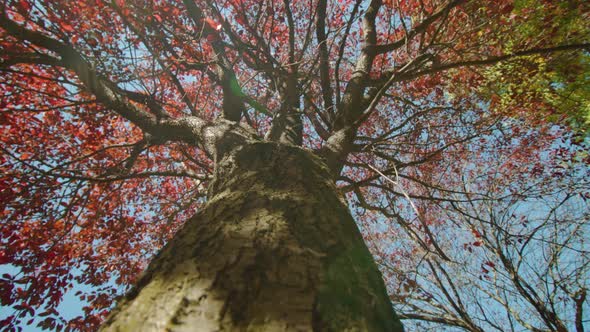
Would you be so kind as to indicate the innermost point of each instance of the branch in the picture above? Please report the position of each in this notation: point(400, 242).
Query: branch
point(29, 58)
point(342, 48)
point(391, 77)
point(103, 89)
point(287, 125)
point(139, 175)
point(456, 302)
point(184, 96)
point(579, 300)
point(380, 49)
point(311, 111)
point(324, 65)
point(353, 94)
point(291, 25)
point(190, 129)
point(233, 105)
point(435, 319)
point(496, 59)
point(340, 142)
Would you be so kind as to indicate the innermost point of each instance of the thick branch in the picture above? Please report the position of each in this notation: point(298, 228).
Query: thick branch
point(579, 300)
point(353, 94)
point(325, 81)
point(28, 58)
point(287, 126)
point(340, 142)
point(214, 138)
point(104, 90)
point(342, 47)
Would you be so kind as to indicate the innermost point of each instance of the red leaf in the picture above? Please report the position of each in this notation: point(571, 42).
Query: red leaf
point(3, 257)
point(25, 5)
point(26, 155)
point(214, 25)
point(67, 27)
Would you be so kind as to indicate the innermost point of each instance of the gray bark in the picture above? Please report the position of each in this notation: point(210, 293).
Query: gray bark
point(274, 249)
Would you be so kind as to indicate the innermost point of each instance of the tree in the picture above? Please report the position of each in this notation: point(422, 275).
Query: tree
point(229, 132)
point(519, 259)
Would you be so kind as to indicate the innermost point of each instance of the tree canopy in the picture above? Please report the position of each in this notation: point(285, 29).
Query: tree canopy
point(456, 129)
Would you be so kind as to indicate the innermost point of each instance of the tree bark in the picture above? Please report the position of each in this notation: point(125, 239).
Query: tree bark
point(274, 249)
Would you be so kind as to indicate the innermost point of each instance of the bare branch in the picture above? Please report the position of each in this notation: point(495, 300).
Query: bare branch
point(380, 49)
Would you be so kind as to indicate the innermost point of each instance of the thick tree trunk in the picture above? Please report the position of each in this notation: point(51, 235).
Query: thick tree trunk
point(274, 249)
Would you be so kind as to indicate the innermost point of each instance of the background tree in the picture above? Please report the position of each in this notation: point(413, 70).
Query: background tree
point(121, 120)
point(515, 233)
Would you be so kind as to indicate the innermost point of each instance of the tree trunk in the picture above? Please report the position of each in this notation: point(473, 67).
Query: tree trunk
point(274, 249)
